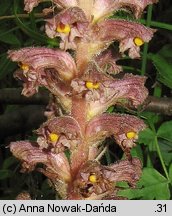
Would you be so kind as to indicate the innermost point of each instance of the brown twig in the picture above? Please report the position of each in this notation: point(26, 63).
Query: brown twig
point(160, 105)
point(38, 15)
point(13, 96)
point(22, 119)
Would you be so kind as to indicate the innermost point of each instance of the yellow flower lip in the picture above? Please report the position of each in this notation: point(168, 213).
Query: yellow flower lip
point(24, 67)
point(138, 41)
point(131, 135)
point(53, 137)
point(62, 28)
point(93, 178)
point(91, 85)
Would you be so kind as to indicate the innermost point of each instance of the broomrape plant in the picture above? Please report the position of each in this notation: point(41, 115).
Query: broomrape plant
point(84, 84)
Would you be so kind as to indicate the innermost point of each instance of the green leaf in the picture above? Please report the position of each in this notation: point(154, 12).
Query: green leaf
point(10, 38)
point(147, 137)
point(170, 173)
point(165, 131)
point(4, 5)
point(5, 174)
point(166, 150)
point(152, 185)
point(46, 191)
point(110, 109)
point(9, 162)
point(166, 52)
point(163, 63)
point(137, 152)
point(32, 20)
point(6, 66)
point(35, 35)
point(150, 117)
point(122, 184)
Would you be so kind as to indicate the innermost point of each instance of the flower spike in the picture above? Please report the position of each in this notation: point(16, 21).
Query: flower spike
point(84, 79)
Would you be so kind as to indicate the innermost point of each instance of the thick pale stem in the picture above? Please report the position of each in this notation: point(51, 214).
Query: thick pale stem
point(80, 153)
point(79, 111)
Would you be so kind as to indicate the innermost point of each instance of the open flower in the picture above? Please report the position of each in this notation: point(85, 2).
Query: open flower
point(30, 154)
point(102, 91)
point(56, 166)
point(95, 181)
point(59, 134)
point(47, 67)
point(34, 60)
point(124, 128)
point(69, 25)
point(130, 35)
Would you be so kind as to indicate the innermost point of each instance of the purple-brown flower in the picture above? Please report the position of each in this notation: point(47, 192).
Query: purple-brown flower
point(83, 28)
point(56, 166)
point(124, 128)
point(95, 181)
point(102, 91)
point(34, 60)
point(59, 134)
point(69, 25)
point(47, 67)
